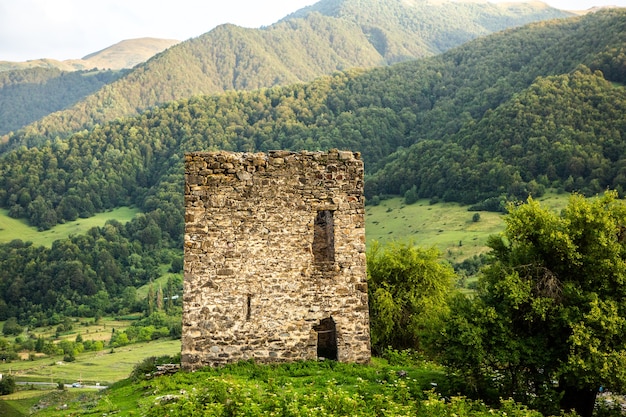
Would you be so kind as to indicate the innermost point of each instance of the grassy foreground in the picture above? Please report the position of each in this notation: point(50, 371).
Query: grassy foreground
point(297, 389)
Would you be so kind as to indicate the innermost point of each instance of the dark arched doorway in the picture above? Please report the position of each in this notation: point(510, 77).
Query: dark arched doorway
point(326, 339)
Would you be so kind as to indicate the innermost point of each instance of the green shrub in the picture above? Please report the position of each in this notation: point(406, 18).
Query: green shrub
point(11, 327)
point(7, 385)
point(149, 365)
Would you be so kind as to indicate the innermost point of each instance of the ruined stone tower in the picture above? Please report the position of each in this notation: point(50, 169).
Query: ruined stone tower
point(274, 258)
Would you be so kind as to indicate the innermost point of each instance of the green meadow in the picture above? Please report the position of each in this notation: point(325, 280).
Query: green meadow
point(90, 368)
point(103, 367)
point(450, 227)
point(11, 229)
point(20, 403)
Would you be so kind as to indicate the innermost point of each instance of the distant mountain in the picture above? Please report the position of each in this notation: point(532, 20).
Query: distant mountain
point(401, 30)
point(124, 54)
point(328, 36)
point(127, 54)
point(34, 89)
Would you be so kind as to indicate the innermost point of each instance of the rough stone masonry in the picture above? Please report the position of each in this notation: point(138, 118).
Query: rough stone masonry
point(274, 258)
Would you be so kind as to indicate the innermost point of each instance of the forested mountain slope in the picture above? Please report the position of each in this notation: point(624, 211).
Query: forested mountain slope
point(401, 30)
point(497, 117)
point(32, 90)
point(28, 95)
point(331, 35)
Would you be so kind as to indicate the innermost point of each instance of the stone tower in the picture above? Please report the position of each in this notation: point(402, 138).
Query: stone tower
point(274, 258)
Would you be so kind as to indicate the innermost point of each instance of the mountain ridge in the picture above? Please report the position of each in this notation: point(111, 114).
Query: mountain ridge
point(295, 49)
point(122, 55)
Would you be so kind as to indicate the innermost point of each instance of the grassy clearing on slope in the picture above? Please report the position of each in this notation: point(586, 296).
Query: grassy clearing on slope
point(87, 328)
point(7, 409)
point(20, 403)
point(447, 226)
point(161, 281)
point(11, 229)
point(104, 367)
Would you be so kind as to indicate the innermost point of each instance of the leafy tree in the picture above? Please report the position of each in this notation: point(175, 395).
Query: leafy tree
point(7, 385)
point(119, 339)
point(39, 345)
point(548, 323)
point(177, 265)
point(411, 196)
point(408, 289)
point(159, 299)
point(11, 327)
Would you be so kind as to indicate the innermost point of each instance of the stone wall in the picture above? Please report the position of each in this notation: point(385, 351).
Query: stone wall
point(274, 258)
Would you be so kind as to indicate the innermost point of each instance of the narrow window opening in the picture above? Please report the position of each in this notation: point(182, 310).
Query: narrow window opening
point(248, 307)
point(324, 237)
point(326, 339)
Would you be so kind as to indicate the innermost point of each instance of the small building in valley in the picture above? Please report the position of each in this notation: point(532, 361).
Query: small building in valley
point(274, 258)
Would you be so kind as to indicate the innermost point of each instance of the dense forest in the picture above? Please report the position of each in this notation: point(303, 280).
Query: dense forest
point(438, 26)
point(30, 94)
point(462, 126)
point(328, 36)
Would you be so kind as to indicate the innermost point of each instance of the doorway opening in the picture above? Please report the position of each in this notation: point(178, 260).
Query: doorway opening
point(326, 339)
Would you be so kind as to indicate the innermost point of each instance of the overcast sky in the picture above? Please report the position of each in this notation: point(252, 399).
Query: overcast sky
point(66, 29)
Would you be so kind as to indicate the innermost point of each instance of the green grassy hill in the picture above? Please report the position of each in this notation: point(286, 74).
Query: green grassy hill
point(11, 228)
point(447, 226)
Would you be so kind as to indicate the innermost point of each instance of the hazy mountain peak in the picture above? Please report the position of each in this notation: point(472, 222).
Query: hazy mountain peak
point(128, 53)
point(124, 54)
